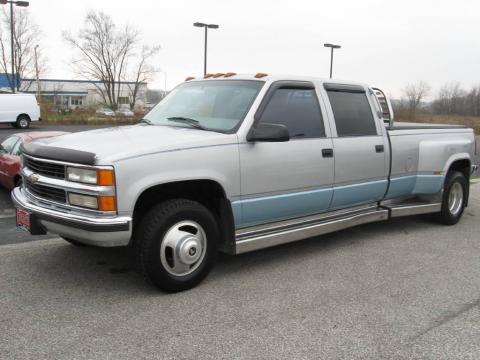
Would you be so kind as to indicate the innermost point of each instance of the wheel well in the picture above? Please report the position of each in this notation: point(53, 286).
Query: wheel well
point(462, 166)
point(28, 116)
point(207, 192)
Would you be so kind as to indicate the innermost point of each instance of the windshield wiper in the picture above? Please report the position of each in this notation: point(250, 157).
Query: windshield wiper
point(145, 121)
point(192, 122)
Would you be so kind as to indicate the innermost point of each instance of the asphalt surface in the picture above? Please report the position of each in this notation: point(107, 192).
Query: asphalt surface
point(404, 289)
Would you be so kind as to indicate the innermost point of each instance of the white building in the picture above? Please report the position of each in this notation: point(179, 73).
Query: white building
point(81, 93)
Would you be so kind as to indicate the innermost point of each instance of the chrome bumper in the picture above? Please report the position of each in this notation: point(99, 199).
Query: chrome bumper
point(98, 231)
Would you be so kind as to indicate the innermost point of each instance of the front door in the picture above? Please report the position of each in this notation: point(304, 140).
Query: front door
point(282, 180)
point(360, 149)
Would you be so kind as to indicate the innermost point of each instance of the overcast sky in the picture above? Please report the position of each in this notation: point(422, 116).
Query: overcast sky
point(384, 43)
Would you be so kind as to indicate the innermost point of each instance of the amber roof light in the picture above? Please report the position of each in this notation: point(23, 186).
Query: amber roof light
point(208, 76)
point(260, 75)
point(230, 74)
point(189, 78)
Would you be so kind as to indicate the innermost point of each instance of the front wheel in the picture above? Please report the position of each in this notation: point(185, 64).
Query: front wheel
point(454, 198)
point(176, 244)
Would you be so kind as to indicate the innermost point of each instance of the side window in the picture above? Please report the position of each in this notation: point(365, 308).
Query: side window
point(7, 145)
point(352, 112)
point(298, 110)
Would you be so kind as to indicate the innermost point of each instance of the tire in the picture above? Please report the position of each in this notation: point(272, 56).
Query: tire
point(177, 244)
point(454, 198)
point(74, 242)
point(23, 122)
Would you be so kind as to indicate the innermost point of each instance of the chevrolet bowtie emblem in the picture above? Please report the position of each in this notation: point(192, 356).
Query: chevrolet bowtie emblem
point(33, 178)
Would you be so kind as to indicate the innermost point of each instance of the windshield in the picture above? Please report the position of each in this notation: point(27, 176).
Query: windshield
point(207, 105)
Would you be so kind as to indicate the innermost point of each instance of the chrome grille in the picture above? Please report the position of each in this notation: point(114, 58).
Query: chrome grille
point(46, 192)
point(56, 171)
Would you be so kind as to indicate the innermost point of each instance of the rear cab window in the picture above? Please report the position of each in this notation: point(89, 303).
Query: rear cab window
point(351, 110)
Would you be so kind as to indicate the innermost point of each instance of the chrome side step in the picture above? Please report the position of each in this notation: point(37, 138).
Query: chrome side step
point(275, 235)
point(403, 209)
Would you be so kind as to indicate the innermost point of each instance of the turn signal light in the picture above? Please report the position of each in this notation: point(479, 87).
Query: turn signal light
point(107, 203)
point(105, 177)
point(260, 75)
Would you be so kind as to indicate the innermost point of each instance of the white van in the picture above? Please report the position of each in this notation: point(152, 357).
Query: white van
point(19, 109)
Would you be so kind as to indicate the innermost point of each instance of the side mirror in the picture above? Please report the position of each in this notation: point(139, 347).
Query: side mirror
point(268, 133)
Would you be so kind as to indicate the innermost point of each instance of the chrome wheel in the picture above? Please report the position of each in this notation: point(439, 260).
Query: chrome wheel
point(183, 248)
point(455, 198)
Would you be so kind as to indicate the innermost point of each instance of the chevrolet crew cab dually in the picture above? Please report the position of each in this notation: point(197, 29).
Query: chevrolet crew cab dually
point(238, 163)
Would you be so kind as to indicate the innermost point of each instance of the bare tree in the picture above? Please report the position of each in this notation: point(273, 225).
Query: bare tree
point(104, 52)
point(414, 94)
point(26, 36)
point(143, 72)
point(452, 99)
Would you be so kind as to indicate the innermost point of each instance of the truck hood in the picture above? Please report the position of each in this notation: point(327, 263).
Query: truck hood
point(117, 143)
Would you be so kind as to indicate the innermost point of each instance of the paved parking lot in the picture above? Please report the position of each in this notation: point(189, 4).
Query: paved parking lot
point(403, 289)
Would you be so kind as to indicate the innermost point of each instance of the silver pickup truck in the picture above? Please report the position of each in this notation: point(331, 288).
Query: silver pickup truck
point(238, 163)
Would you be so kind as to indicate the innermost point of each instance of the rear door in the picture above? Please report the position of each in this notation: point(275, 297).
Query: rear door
point(282, 180)
point(360, 147)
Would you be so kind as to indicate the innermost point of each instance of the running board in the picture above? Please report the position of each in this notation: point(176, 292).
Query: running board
point(276, 235)
point(403, 209)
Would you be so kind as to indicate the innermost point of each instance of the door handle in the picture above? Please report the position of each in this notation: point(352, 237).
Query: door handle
point(379, 148)
point(327, 153)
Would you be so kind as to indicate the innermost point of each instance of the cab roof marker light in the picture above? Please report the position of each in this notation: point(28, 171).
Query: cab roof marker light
point(260, 75)
point(207, 76)
point(229, 74)
point(189, 78)
point(217, 75)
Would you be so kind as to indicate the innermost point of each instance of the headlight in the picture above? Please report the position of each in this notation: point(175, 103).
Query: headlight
point(102, 177)
point(82, 175)
point(102, 203)
point(86, 201)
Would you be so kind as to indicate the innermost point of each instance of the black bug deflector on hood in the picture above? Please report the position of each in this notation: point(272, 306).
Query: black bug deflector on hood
point(59, 154)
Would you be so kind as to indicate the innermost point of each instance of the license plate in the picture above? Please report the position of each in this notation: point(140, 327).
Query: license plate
point(23, 219)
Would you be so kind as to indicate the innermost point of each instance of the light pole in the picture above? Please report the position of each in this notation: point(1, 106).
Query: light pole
point(331, 46)
point(17, 3)
point(206, 27)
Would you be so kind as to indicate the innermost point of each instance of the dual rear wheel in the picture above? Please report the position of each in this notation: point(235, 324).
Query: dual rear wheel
point(455, 194)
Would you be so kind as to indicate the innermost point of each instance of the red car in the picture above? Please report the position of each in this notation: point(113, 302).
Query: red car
point(10, 155)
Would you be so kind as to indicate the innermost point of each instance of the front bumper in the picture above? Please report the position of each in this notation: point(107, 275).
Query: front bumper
point(98, 231)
